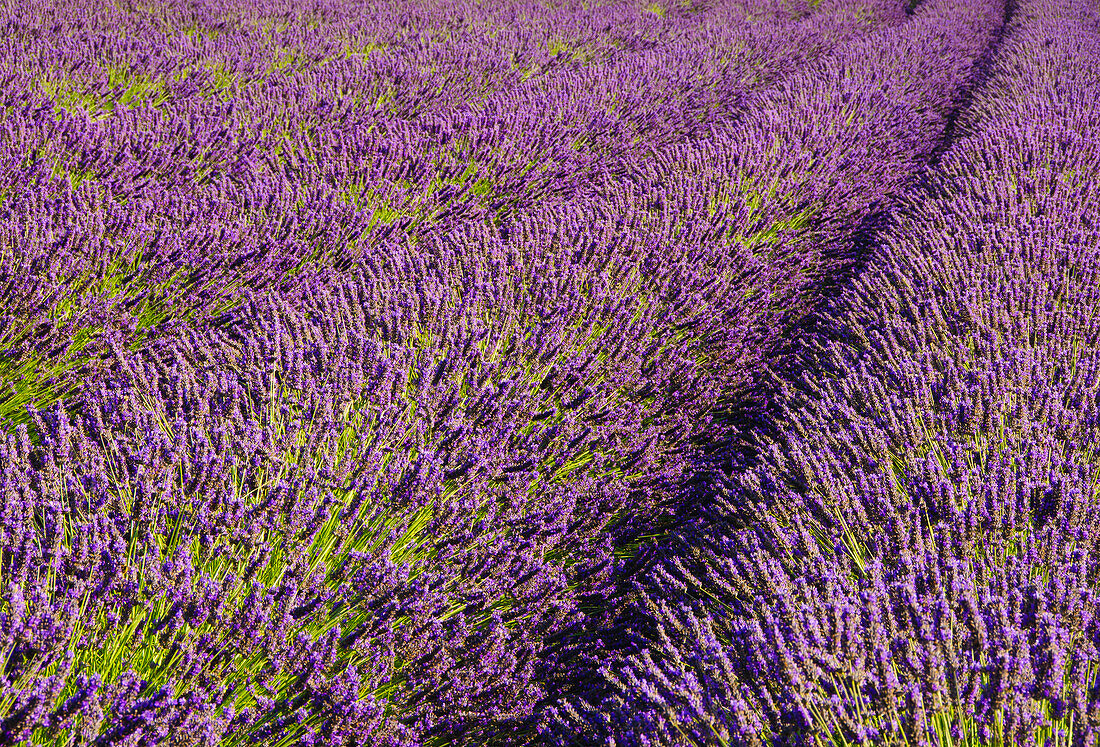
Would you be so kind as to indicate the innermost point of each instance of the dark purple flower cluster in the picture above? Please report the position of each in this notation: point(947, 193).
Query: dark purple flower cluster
point(349, 351)
point(919, 565)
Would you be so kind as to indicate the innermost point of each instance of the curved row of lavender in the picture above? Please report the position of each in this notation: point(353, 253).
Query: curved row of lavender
point(203, 157)
point(913, 561)
point(830, 182)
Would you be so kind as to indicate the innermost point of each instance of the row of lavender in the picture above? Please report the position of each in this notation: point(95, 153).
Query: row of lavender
point(353, 498)
point(923, 566)
point(155, 172)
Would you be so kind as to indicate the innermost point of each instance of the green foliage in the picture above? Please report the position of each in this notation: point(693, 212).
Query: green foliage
point(944, 721)
point(125, 87)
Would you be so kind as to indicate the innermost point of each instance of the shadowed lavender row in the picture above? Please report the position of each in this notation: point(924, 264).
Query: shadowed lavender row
point(919, 561)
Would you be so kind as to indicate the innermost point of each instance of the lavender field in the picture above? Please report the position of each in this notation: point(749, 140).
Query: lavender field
point(550, 372)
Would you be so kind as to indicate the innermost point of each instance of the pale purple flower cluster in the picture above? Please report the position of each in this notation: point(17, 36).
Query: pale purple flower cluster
point(356, 358)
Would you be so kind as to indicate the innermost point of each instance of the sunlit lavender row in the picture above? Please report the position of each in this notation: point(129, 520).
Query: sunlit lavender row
point(695, 372)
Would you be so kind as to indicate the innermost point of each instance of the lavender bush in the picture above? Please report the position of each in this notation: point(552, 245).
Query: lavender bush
point(370, 372)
